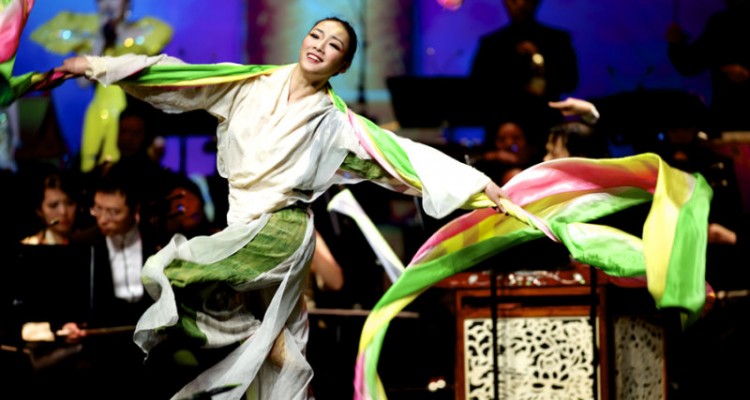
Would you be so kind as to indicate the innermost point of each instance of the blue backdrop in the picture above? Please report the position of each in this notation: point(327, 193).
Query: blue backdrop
point(620, 44)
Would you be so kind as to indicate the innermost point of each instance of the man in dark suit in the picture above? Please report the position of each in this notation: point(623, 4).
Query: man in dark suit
point(723, 49)
point(121, 246)
point(522, 66)
point(120, 249)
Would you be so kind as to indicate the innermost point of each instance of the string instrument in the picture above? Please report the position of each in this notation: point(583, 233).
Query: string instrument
point(42, 332)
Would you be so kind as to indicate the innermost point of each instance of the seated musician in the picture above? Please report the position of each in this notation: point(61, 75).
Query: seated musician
point(121, 246)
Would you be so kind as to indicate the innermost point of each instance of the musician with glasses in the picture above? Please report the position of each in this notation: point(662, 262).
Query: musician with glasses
point(121, 246)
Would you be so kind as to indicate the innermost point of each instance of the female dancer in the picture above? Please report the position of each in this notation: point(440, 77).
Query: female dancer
point(284, 138)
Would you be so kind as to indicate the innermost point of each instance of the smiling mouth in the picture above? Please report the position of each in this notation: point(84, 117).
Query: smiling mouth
point(314, 57)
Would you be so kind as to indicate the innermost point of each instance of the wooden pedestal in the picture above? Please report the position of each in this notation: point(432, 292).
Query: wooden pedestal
point(547, 347)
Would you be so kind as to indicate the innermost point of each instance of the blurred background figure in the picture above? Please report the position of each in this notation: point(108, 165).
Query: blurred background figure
point(326, 274)
point(510, 145)
point(523, 65)
point(507, 151)
point(49, 199)
point(55, 199)
point(572, 108)
point(136, 138)
point(141, 150)
point(9, 142)
point(181, 211)
point(164, 194)
point(108, 32)
point(9, 137)
point(121, 245)
point(574, 139)
point(326, 278)
point(723, 48)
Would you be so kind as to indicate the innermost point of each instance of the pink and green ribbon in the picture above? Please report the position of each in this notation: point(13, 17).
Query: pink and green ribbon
point(553, 199)
point(13, 16)
point(565, 194)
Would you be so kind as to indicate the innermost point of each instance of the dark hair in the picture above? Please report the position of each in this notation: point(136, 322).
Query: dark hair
point(36, 179)
point(50, 177)
point(119, 180)
point(140, 109)
point(135, 131)
point(580, 139)
point(135, 108)
point(491, 131)
point(351, 50)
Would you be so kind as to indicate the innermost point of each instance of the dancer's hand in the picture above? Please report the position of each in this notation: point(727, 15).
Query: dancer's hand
point(495, 193)
point(74, 66)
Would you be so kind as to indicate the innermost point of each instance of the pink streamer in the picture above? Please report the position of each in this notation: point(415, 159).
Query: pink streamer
point(566, 175)
point(12, 21)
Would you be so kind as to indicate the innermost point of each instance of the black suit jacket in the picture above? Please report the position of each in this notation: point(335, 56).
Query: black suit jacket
point(500, 75)
point(500, 68)
point(723, 41)
point(112, 364)
point(106, 309)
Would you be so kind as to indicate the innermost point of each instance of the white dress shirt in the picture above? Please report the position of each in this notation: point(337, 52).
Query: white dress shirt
point(126, 261)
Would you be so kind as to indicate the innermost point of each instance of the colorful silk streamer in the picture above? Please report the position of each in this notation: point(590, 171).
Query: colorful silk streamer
point(566, 194)
point(13, 16)
point(345, 203)
point(555, 199)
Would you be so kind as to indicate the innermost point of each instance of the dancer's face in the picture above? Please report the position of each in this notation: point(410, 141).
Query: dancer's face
point(324, 48)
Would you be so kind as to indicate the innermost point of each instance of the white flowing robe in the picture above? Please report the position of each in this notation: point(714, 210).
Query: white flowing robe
point(273, 154)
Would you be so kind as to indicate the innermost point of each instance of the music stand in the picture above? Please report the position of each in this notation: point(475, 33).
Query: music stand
point(435, 101)
point(47, 284)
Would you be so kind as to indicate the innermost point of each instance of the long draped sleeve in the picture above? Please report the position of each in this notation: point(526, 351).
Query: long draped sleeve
point(109, 70)
point(444, 183)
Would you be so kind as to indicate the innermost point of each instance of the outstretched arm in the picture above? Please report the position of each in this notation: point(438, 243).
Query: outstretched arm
point(114, 70)
point(577, 107)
